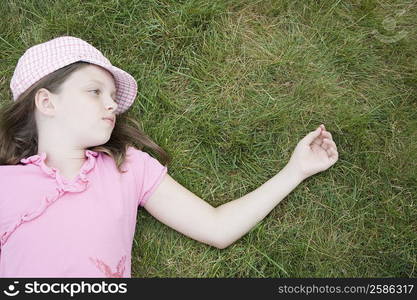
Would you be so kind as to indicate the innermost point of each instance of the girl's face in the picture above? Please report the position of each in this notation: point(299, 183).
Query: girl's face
point(87, 96)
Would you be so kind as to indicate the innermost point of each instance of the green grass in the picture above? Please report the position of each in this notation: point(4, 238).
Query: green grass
point(228, 88)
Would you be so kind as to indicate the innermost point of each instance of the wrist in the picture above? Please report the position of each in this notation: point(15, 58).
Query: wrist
point(294, 173)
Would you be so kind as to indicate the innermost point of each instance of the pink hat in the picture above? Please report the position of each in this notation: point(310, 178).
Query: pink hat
point(45, 58)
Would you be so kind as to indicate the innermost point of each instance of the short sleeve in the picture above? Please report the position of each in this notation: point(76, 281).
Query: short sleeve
point(148, 173)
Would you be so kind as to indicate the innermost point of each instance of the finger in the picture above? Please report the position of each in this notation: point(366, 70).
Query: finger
point(326, 148)
point(327, 134)
point(334, 156)
point(330, 149)
point(327, 144)
point(310, 137)
point(331, 143)
point(330, 152)
point(318, 141)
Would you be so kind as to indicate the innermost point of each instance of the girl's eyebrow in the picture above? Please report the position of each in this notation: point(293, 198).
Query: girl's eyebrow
point(99, 82)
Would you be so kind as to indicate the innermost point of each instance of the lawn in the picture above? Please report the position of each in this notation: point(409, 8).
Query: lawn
point(228, 88)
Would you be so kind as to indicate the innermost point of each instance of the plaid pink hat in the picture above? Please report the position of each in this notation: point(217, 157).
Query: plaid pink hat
point(45, 58)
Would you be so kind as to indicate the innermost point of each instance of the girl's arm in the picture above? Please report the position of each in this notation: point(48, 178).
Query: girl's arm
point(180, 209)
point(236, 218)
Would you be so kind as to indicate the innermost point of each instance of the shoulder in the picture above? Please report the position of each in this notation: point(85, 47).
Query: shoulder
point(131, 150)
point(143, 163)
point(132, 153)
point(13, 173)
point(12, 168)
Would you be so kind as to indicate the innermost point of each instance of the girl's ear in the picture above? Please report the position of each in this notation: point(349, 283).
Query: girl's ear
point(44, 101)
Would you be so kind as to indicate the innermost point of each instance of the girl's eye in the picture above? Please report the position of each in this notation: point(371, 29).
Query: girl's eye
point(115, 100)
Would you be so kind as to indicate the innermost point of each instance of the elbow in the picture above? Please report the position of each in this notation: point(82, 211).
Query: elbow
point(221, 242)
point(217, 232)
point(224, 244)
point(217, 242)
point(222, 236)
point(221, 246)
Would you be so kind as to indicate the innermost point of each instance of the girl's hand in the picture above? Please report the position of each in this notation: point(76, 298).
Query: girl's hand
point(314, 153)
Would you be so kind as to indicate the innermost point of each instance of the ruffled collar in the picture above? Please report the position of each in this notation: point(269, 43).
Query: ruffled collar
point(88, 165)
point(79, 184)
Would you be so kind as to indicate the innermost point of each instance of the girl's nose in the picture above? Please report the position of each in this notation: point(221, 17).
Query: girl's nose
point(111, 103)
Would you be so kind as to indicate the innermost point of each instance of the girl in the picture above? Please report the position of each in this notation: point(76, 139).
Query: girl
point(73, 173)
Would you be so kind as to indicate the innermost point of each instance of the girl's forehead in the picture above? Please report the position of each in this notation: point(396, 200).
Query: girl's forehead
point(95, 73)
point(94, 70)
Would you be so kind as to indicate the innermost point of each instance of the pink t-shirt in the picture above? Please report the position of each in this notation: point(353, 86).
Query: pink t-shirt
point(50, 227)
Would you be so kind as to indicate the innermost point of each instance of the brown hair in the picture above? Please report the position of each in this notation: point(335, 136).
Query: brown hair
point(19, 136)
